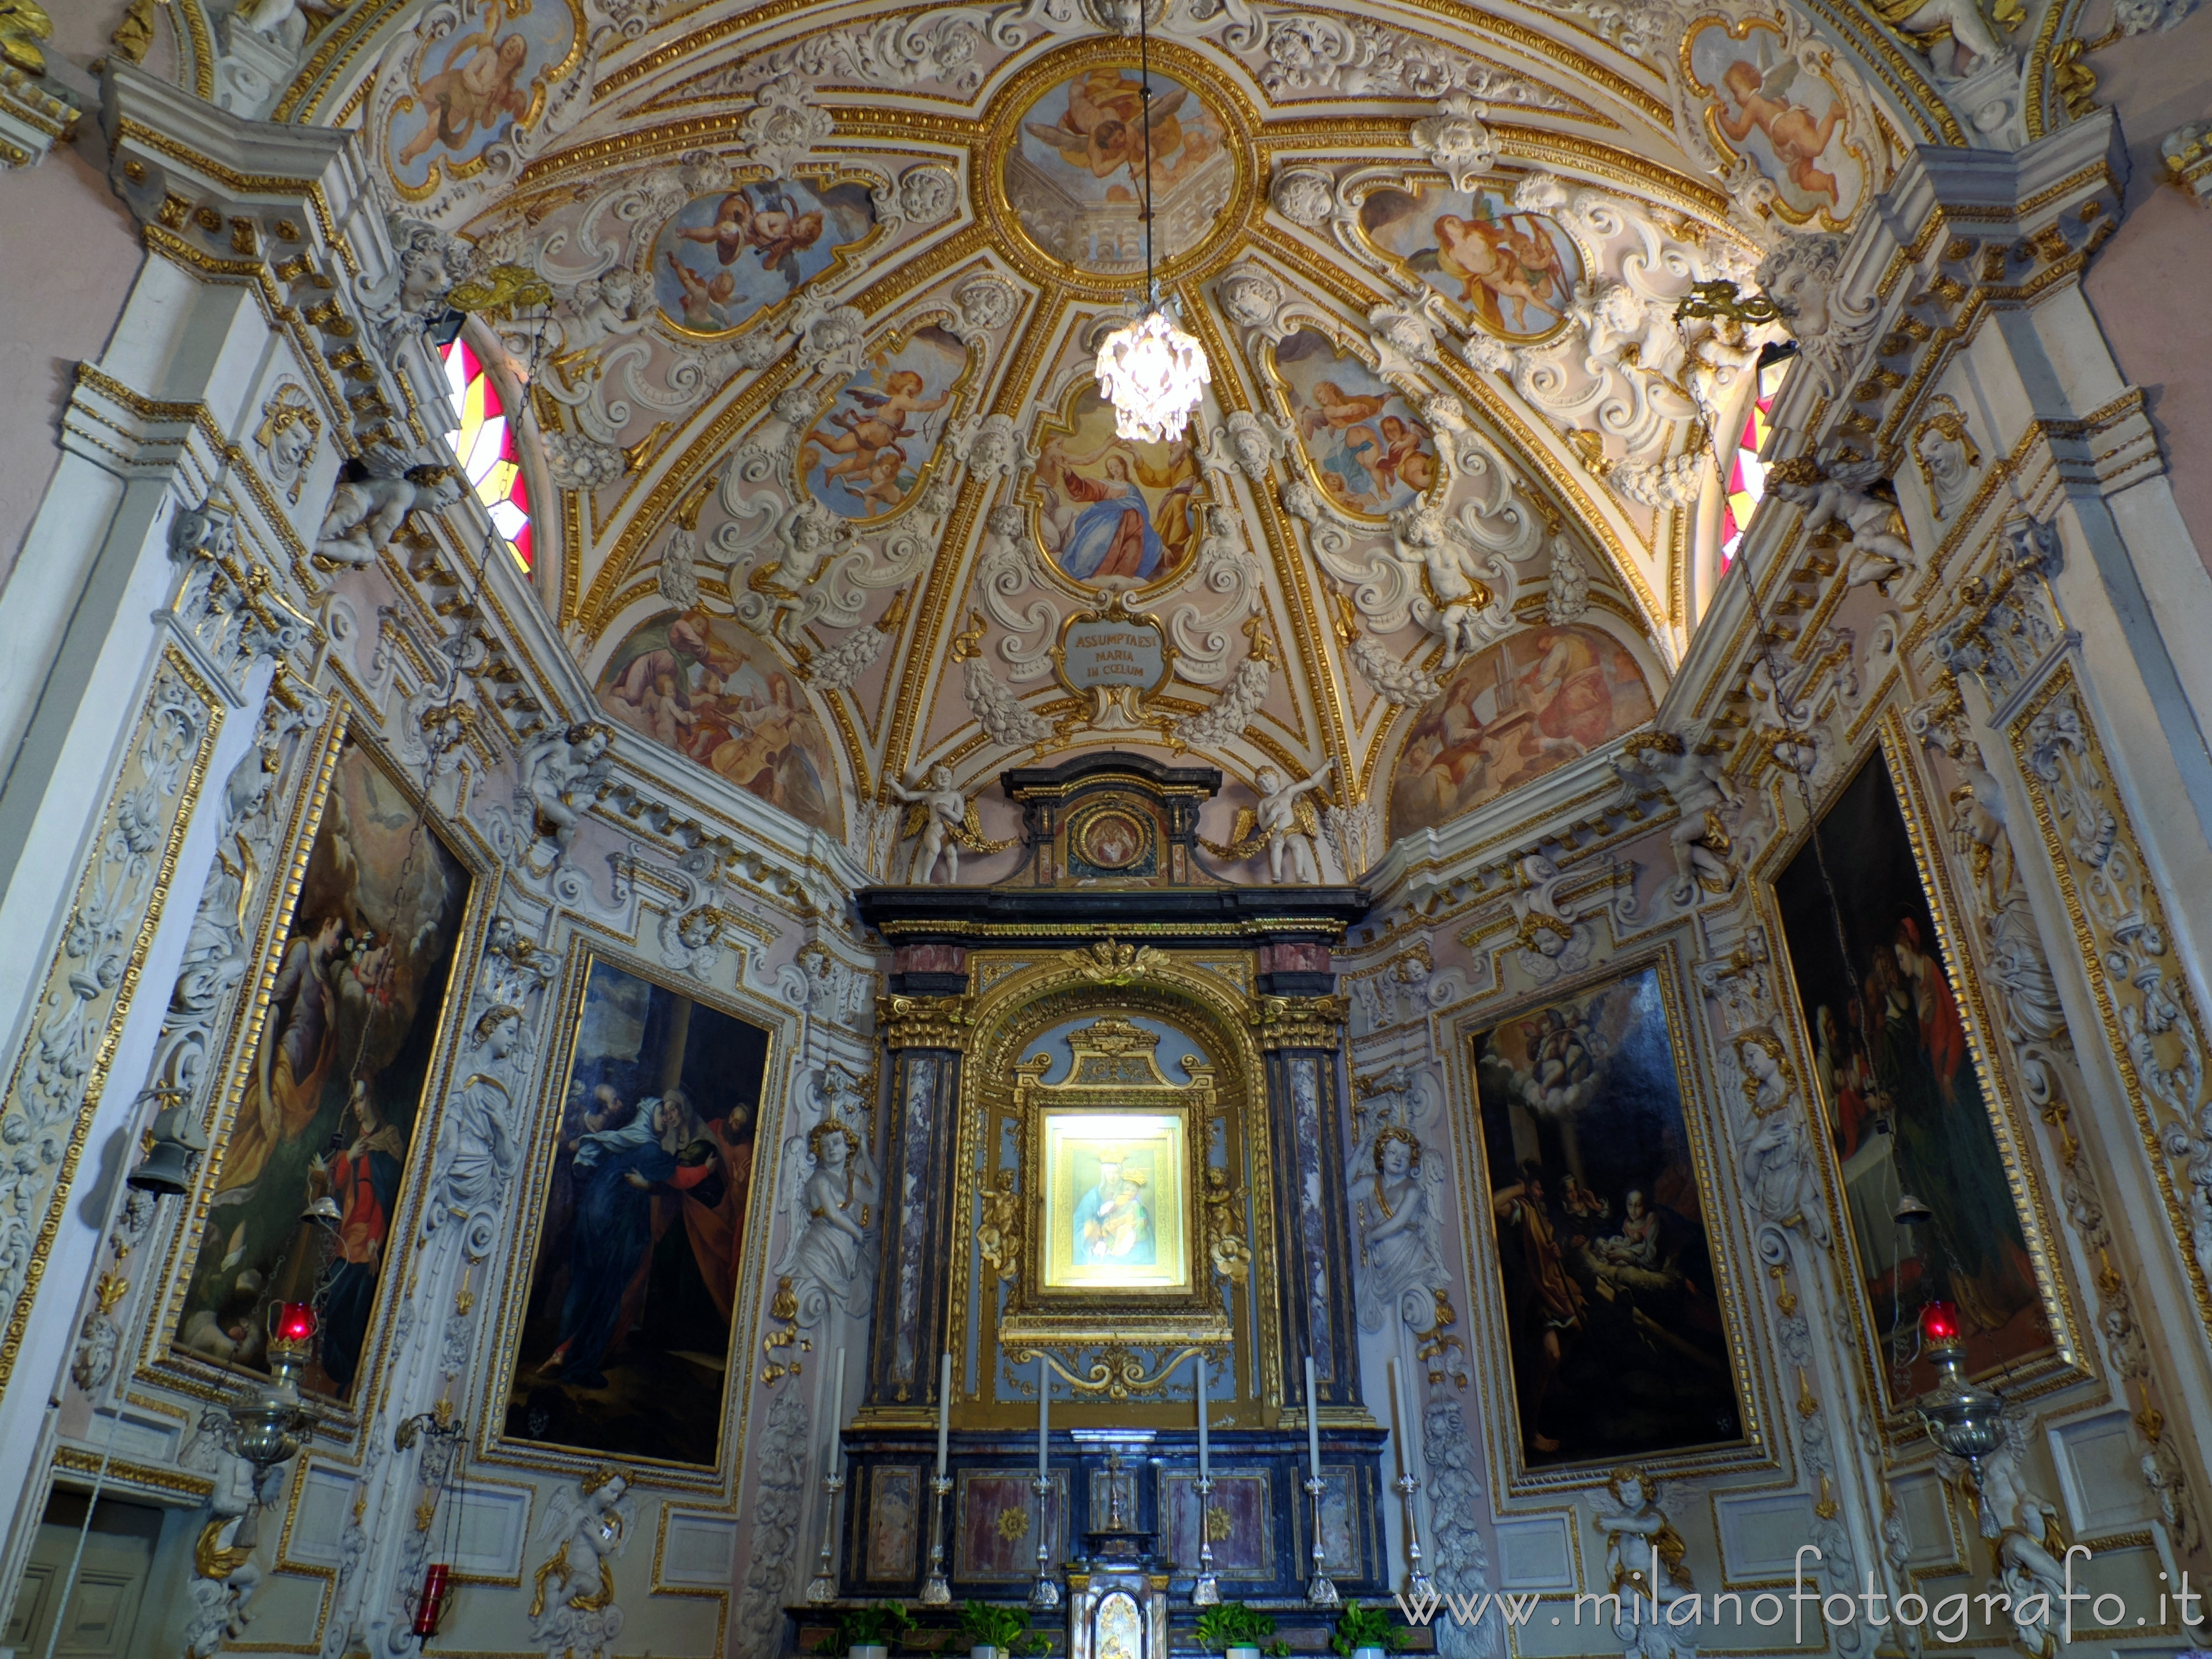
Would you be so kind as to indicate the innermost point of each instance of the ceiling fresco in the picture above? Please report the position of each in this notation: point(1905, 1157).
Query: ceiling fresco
point(827, 484)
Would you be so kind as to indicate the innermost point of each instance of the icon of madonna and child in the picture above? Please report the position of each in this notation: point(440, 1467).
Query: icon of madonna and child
point(1110, 512)
point(625, 1343)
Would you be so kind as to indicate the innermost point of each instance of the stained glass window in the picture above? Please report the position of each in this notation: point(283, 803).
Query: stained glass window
point(485, 443)
point(1746, 479)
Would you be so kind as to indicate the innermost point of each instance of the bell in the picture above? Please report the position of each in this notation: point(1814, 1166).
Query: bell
point(178, 1141)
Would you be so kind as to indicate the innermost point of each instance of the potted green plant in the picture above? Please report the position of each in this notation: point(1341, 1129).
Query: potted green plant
point(993, 1632)
point(1364, 1632)
point(867, 1632)
point(1235, 1630)
point(1278, 1649)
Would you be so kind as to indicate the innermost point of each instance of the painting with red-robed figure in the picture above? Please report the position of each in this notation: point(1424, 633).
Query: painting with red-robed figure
point(625, 1343)
point(1908, 1107)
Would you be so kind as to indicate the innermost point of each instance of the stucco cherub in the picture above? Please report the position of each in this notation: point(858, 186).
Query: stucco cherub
point(940, 814)
point(1872, 533)
point(561, 776)
point(1277, 822)
point(1699, 789)
point(366, 514)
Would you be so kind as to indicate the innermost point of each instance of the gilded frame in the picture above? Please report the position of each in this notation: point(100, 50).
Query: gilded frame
point(162, 1362)
point(586, 948)
point(1855, 145)
point(1065, 1138)
point(1492, 1344)
point(1087, 1342)
point(2064, 1363)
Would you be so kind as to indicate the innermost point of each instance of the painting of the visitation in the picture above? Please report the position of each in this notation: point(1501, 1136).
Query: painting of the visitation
point(1511, 713)
point(476, 84)
point(867, 455)
point(1619, 1346)
point(625, 1345)
point(1108, 508)
point(1075, 177)
point(1789, 120)
point(1906, 1101)
point(1114, 1201)
point(702, 685)
point(1514, 272)
point(334, 1088)
point(724, 257)
point(1368, 450)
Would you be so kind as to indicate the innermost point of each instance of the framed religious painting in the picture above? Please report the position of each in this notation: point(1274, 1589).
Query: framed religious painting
point(1116, 1200)
point(1623, 1338)
point(636, 1262)
point(335, 1084)
point(1911, 1107)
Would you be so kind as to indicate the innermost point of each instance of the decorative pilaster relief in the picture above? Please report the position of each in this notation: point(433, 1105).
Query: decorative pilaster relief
point(92, 979)
point(2150, 1011)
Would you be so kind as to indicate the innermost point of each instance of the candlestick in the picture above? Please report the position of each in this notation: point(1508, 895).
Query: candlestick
point(943, 1410)
point(1044, 1594)
point(823, 1589)
point(1206, 1590)
point(1321, 1588)
point(935, 1592)
point(1418, 1585)
point(1045, 1424)
point(1313, 1420)
point(1204, 1459)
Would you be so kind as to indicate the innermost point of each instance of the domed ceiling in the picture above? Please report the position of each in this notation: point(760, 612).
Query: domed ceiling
point(827, 496)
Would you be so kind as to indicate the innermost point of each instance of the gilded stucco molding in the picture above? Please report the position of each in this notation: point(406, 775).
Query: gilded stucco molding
point(927, 1023)
point(1298, 1022)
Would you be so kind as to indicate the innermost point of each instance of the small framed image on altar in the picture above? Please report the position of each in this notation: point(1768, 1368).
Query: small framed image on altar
point(1116, 1201)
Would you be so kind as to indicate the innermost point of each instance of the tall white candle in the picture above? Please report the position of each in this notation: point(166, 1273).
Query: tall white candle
point(944, 1411)
point(837, 1413)
point(1313, 1420)
point(1397, 1416)
point(1205, 1460)
point(1044, 1420)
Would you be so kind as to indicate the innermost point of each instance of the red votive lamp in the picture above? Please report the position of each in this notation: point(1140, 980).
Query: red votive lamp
point(432, 1606)
point(1939, 1322)
point(294, 1322)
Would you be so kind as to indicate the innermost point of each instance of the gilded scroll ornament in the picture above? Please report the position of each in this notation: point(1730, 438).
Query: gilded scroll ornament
point(999, 1231)
point(1224, 1228)
point(1115, 962)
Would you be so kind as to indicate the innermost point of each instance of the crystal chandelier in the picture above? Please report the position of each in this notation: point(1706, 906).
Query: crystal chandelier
point(1150, 370)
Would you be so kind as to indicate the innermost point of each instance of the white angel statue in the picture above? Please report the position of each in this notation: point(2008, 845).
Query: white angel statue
point(831, 1179)
point(572, 1609)
point(1857, 500)
point(1398, 1208)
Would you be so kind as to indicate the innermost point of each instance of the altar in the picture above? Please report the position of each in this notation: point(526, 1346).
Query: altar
point(1116, 1089)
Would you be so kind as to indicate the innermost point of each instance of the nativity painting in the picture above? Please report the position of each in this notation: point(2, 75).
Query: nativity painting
point(703, 686)
point(1106, 509)
point(1074, 178)
point(475, 86)
point(1511, 713)
point(1908, 1110)
point(1619, 1345)
point(1789, 120)
point(333, 1090)
point(624, 1347)
point(725, 257)
point(867, 453)
point(1368, 450)
point(1513, 272)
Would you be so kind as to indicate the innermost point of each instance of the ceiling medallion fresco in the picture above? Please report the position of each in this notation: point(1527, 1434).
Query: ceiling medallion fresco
point(1793, 122)
point(1363, 442)
point(1513, 274)
point(1109, 512)
point(726, 257)
point(483, 83)
point(1063, 173)
point(876, 441)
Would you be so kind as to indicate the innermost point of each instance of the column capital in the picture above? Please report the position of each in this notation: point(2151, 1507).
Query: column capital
point(927, 1022)
point(1299, 1022)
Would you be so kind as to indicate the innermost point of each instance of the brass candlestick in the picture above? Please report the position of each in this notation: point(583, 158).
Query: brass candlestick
point(824, 1587)
point(1044, 1594)
point(1320, 1589)
point(1206, 1590)
point(935, 1592)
